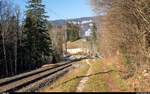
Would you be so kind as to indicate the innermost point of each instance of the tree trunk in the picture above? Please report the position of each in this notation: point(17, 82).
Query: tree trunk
point(15, 52)
point(4, 50)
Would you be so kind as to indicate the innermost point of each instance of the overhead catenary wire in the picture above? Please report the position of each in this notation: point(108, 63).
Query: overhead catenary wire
point(58, 15)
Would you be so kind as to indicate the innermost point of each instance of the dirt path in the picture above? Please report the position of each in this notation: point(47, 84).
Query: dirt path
point(111, 85)
point(80, 87)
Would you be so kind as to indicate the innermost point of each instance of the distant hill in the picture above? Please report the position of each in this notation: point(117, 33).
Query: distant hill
point(84, 22)
point(75, 20)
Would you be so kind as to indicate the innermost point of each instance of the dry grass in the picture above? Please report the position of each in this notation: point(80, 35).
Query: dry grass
point(116, 78)
point(138, 82)
point(96, 83)
point(104, 82)
point(69, 81)
point(76, 44)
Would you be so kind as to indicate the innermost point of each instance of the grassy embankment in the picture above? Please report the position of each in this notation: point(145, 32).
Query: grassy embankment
point(96, 82)
point(99, 82)
point(116, 78)
point(69, 81)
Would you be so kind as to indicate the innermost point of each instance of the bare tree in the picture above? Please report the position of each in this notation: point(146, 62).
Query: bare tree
point(125, 29)
point(5, 25)
point(17, 14)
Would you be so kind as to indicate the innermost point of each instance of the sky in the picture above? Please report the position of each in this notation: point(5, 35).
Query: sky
point(63, 9)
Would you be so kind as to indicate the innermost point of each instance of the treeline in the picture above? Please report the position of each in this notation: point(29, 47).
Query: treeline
point(25, 43)
point(72, 32)
point(125, 30)
point(92, 41)
point(57, 35)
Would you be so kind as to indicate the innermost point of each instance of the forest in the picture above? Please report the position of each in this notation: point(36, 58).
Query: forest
point(24, 40)
point(28, 40)
point(124, 32)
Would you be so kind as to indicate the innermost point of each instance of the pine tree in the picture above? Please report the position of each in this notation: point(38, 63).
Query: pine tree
point(38, 39)
point(94, 29)
point(72, 32)
point(93, 40)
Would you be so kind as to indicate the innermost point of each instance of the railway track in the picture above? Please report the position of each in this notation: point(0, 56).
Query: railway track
point(12, 84)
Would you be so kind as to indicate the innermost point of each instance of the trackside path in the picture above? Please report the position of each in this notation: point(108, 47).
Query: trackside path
point(81, 85)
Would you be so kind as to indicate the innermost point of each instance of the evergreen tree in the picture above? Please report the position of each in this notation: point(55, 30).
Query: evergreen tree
point(93, 39)
point(72, 32)
point(94, 29)
point(38, 40)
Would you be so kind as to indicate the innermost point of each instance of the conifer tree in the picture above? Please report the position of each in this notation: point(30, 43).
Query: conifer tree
point(38, 39)
point(93, 41)
point(72, 32)
point(94, 28)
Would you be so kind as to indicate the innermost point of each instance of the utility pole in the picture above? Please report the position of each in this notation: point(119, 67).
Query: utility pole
point(65, 38)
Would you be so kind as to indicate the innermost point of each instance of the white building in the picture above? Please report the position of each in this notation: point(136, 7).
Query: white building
point(88, 33)
point(74, 51)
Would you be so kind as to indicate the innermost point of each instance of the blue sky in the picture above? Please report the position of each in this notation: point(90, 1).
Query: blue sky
point(63, 9)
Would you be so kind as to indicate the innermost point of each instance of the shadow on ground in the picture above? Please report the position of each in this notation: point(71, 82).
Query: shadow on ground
point(77, 77)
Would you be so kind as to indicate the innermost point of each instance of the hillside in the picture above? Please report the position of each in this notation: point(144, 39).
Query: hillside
point(84, 22)
point(75, 20)
point(75, 44)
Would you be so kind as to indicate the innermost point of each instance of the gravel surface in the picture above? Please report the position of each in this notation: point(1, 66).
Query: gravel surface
point(44, 82)
point(23, 75)
point(30, 79)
